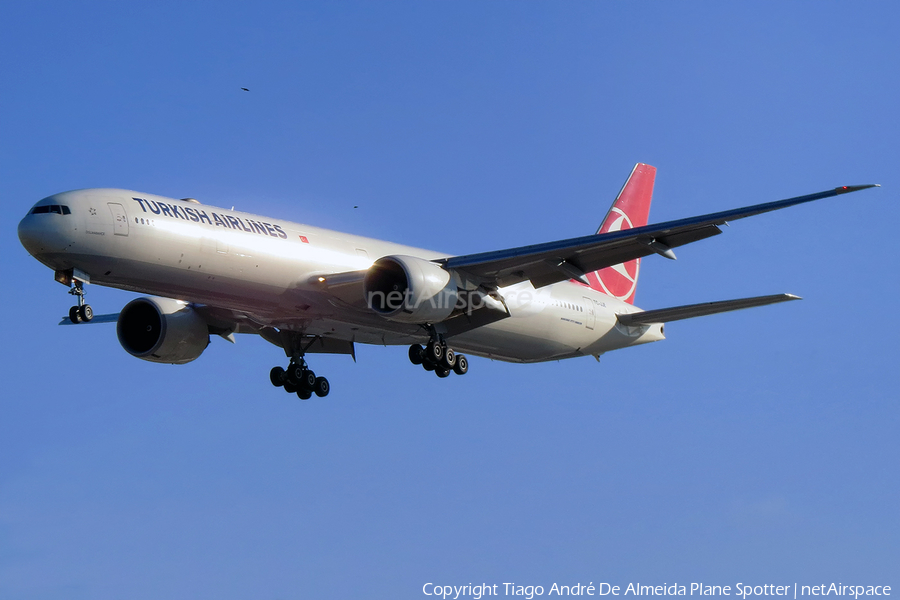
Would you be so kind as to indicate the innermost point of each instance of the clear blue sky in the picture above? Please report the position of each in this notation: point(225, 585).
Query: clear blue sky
point(757, 447)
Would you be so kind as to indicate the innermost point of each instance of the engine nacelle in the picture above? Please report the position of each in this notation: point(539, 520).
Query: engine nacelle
point(410, 290)
point(162, 330)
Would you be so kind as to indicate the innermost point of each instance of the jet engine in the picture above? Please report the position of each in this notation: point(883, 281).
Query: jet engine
point(162, 330)
point(410, 290)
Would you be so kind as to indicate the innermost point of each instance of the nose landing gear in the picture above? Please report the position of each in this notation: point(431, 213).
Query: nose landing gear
point(437, 357)
point(82, 312)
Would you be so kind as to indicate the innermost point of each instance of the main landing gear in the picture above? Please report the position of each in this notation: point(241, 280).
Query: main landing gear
point(82, 313)
point(299, 379)
point(437, 357)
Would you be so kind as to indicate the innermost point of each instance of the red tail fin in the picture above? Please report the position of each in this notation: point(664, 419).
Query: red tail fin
point(631, 209)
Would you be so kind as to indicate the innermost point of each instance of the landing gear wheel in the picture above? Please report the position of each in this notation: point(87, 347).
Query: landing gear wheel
point(74, 315)
point(442, 372)
point(415, 354)
point(462, 365)
point(295, 374)
point(86, 312)
point(307, 380)
point(304, 394)
point(276, 376)
point(322, 387)
point(434, 352)
point(289, 387)
point(428, 366)
point(449, 360)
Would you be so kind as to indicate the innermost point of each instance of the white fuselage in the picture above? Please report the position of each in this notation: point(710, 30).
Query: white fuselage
point(265, 269)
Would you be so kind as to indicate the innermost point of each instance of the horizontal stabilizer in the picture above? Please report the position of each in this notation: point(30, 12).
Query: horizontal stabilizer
point(677, 313)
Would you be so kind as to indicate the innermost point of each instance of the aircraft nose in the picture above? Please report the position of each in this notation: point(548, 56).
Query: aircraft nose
point(29, 234)
point(41, 235)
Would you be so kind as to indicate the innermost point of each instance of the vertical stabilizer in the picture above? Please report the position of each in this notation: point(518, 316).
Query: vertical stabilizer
point(631, 209)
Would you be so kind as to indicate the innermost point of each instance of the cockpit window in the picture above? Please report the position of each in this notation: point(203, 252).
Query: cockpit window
point(59, 209)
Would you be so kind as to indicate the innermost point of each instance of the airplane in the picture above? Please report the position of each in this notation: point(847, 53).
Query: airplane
point(212, 271)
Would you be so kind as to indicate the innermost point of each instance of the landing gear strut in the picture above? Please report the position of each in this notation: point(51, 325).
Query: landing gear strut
point(299, 379)
point(82, 312)
point(438, 357)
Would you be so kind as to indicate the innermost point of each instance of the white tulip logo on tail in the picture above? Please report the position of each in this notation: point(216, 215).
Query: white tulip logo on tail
point(631, 209)
point(618, 281)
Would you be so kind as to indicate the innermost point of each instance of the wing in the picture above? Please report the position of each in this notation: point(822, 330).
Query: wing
point(225, 323)
point(97, 319)
point(548, 263)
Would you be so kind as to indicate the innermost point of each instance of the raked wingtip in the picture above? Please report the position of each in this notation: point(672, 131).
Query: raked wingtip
point(846, 189)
